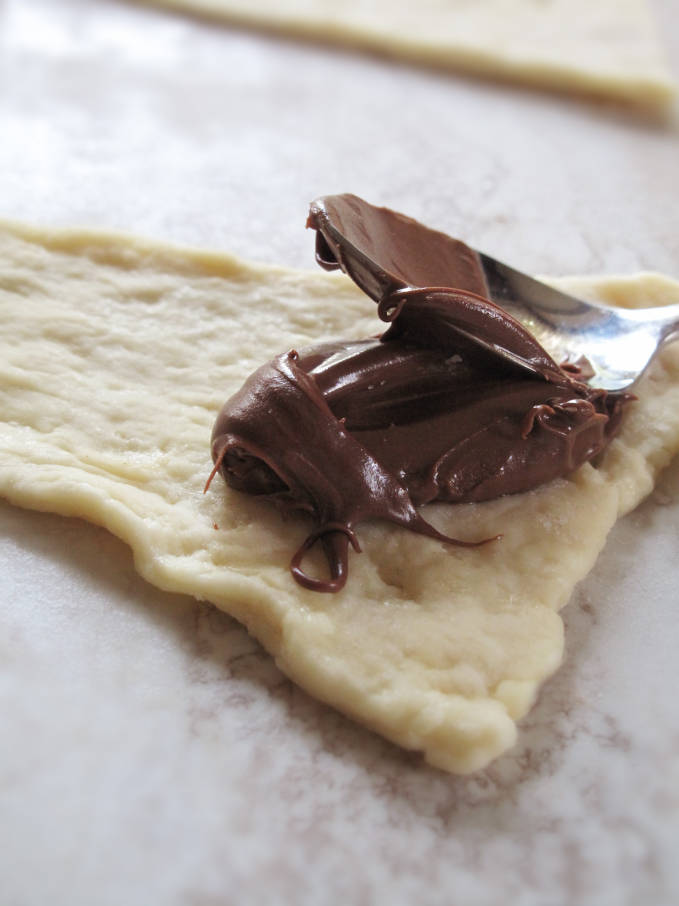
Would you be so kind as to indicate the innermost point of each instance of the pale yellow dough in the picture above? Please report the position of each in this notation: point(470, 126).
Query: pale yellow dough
point(606, 47)
point(115, 356)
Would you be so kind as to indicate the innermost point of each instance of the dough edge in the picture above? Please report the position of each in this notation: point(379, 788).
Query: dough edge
point(649, 86)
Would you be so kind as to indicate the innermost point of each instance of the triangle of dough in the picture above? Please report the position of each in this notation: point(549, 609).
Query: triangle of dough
point(115, 356)
point(607, 47)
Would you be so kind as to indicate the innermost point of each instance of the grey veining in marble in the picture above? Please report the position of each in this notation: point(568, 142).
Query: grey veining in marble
point(150, 752)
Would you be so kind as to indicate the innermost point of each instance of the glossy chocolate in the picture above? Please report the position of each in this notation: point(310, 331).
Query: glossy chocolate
point(455, 402)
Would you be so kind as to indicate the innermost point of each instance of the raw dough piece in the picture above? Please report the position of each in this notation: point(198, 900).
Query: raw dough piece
point(116, 354)
point(605, 47)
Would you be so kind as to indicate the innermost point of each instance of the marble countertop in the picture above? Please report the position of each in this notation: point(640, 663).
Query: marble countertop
point(151, 751)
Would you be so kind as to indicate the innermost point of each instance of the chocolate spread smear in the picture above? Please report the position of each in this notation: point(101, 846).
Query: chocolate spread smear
point(455, 402)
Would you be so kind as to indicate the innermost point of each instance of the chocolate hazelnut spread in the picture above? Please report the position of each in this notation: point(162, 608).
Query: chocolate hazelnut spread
point(455, 402)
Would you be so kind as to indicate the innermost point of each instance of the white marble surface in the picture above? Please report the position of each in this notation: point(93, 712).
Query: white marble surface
point(150, 752)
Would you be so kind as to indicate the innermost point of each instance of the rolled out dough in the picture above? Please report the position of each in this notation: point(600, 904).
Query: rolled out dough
point(115, 356)
point(605, 47)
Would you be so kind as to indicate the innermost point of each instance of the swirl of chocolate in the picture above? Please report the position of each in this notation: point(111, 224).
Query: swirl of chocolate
point(455, 402)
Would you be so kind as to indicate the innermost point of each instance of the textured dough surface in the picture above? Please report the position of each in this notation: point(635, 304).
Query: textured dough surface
point(607, 47)
point(115, 356)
